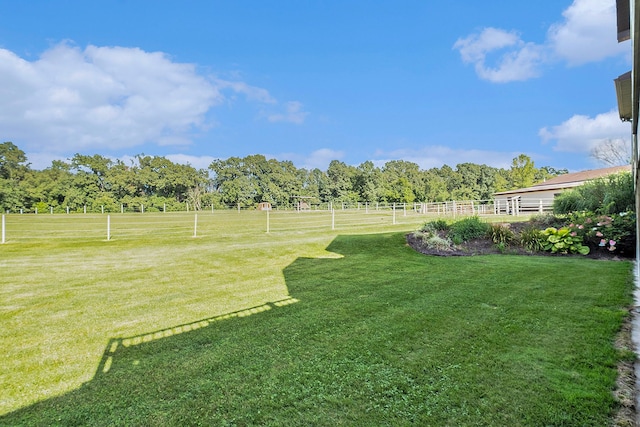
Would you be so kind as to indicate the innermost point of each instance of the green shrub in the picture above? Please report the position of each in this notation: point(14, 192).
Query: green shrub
point(569, 201)
point(607, 195)
point(616, 232)
point(532, 239)
point(501, 234)
point(563, 240)
point(468, 229)
point(436, 225)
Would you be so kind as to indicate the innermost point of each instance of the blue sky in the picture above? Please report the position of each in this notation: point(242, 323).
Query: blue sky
point(432, 82)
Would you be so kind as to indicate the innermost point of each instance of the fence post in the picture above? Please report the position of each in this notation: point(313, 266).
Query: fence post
point(195, 226)
point(84, 208)
point(3, 229)
point(67, 210)
point(51, 209)
point(333, 219)
point(394, 214)
point(540, 210)
point(267, 221)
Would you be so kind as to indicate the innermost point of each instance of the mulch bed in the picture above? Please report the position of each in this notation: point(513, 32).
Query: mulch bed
point(485, 246)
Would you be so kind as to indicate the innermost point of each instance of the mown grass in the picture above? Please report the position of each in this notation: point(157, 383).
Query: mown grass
point(371, 333)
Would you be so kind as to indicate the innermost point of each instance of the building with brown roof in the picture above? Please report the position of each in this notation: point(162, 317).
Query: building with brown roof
point(539, 197)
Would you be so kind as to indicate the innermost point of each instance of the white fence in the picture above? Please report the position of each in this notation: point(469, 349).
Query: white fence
point(143, 224)
point(517, 206)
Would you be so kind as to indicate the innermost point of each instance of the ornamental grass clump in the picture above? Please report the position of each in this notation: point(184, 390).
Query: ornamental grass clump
point(501, 234)
point(532, 239)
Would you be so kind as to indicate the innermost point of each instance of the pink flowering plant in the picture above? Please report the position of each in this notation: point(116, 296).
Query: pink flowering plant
point(614, 232)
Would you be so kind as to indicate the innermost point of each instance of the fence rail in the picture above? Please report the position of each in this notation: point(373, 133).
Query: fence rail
point(480, 207)
point(23, 227)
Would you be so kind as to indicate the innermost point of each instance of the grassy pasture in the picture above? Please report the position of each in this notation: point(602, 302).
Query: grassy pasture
point(303, 325)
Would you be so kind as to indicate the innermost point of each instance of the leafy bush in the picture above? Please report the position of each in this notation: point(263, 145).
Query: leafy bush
point(606, 195)
point(532, 239)
point(569, 201)
point(468, 229)
point(436, 225)
point(611, 232)
point(501, 234)
point(564, 241)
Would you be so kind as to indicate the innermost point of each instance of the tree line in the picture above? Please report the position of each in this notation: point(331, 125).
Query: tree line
point(99, 183)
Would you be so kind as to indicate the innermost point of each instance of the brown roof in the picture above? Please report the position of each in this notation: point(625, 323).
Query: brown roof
point(569, 180)
point(584, 175)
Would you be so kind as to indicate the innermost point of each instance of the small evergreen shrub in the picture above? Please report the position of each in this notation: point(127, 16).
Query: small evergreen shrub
point(436, 225)
point(468, 229)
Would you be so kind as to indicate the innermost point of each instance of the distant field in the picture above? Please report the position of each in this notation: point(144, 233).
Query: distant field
point(324, 320)
point(209, 224)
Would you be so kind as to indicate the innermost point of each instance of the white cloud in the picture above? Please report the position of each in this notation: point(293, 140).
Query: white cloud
point(318, 159)
point(436, 156)
point(586, 34)
point(293, 114)
point(198, 162)
point(42, 160)
point(101, 98)
point(519, 61)
point(580, 134)
point(106, 99)
point(252, 93)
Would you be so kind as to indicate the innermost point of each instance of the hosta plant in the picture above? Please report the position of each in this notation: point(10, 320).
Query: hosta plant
point(563, 240)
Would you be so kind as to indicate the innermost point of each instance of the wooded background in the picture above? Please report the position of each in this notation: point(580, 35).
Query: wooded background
point(98, 183)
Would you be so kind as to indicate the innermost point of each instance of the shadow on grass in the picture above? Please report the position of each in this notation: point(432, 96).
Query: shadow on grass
point(381, 336)
point(115, 344)
point(138, 376)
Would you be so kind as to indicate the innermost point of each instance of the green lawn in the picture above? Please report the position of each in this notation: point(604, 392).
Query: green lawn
point(299, 326)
